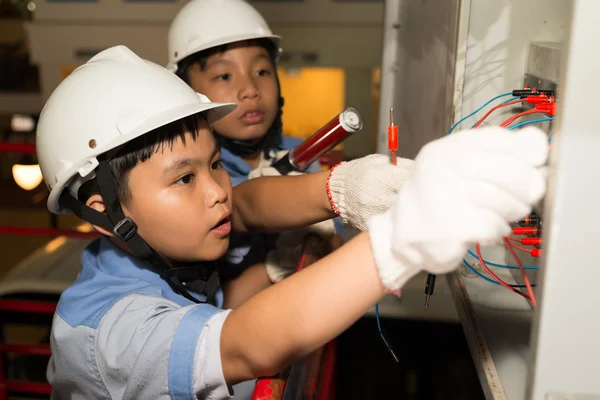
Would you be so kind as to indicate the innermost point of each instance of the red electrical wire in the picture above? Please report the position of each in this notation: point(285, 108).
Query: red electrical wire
point(519, 247)
point(512, 239)
point(494, 109)
point(508, 241)
point(523, 273)
point(519, 115)
point(500, 281)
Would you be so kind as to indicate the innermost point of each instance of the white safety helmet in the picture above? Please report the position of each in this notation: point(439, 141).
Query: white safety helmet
point(112, 99)
point(203, 24)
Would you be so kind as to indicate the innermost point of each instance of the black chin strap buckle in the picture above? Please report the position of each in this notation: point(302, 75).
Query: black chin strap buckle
point(125, 229)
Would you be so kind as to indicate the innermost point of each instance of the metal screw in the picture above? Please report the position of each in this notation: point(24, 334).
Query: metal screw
point(92, 144)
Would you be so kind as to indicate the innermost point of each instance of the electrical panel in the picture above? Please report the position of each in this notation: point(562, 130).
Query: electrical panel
point(454, 66)
point(543, 73)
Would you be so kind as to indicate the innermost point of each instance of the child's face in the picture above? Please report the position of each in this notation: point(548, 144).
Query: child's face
point(181, 199)
point(242, 74)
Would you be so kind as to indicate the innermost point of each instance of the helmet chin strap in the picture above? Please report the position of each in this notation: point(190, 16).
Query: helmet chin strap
point(125, 230)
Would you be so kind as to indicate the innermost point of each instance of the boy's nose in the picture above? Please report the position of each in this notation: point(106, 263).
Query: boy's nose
point(215, 194)
point(249, 90)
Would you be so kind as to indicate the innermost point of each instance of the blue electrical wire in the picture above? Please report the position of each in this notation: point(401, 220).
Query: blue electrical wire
point(481, 108)
point(479, 274)
point(531, 121)
point(501, 265)
point(509, 100)
point(382, 335)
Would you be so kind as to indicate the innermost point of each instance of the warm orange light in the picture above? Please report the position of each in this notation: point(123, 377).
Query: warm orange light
point(28, 177)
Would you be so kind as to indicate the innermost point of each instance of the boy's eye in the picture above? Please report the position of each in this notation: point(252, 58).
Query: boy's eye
point(186, 179)
point(217, 164)
point(264, 72)
point(223, 77)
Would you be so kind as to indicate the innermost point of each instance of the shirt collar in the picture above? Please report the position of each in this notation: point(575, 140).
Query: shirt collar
point(114, 261)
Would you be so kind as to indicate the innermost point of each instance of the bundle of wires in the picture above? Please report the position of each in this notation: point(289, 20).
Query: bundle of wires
point(507, 241)
point(512, 101)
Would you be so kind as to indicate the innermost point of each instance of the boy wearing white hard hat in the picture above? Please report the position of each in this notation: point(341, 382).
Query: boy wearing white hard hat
point(225, 49)
point(127, 146)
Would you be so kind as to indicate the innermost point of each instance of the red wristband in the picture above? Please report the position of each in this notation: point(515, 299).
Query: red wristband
point(333, 206)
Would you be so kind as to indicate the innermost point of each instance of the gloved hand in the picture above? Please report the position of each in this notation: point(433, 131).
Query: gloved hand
point(365, 187)
point(281, 262)
point(465, 188)
point(283, 259)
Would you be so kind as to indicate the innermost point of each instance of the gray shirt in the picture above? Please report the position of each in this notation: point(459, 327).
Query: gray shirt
point(121, 332)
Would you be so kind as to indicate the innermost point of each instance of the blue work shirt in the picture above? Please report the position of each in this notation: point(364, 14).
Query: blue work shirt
point(121, 332)
point(247, 249)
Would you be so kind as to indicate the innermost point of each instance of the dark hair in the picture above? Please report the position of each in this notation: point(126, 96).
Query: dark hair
point(138, 151)
point(272, 138)
point(201, 58)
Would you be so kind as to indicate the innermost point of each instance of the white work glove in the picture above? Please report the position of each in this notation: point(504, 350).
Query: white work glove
point(365, 187)
point(283, 259)
point(465, 188)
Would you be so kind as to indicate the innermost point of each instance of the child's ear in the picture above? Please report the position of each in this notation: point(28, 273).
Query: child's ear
point(97, 203)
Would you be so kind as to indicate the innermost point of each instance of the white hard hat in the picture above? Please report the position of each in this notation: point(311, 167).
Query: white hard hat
point(112, 99)
point(203, 24)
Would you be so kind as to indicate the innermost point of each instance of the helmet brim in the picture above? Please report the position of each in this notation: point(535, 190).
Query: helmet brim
point(213, 112)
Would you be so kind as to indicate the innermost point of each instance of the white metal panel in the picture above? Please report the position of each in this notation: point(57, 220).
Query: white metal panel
point(500, 33)
point(390, 68)
point(566, 345)
point(462, 39)
point(497, 325)
point(418, 71)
